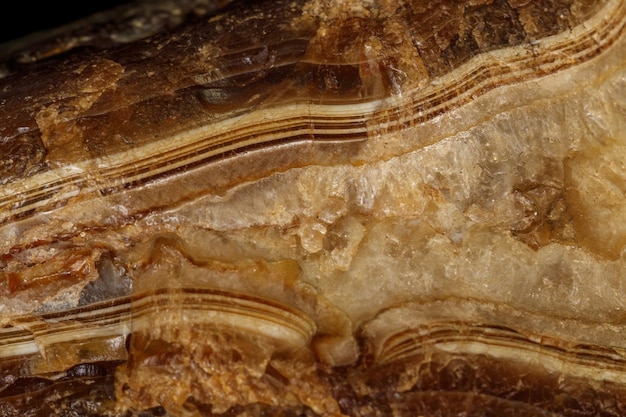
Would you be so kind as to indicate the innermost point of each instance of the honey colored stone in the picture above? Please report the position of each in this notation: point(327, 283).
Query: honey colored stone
point(320, 208)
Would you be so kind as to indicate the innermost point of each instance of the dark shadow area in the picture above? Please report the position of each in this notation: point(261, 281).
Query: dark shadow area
point(21, 18)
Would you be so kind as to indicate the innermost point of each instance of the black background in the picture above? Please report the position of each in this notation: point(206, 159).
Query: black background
point(22, 17)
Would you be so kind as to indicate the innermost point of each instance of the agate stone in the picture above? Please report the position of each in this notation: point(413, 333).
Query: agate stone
point(316, 208)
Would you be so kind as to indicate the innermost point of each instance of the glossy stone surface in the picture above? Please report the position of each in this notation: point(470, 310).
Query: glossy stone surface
point(364, 208)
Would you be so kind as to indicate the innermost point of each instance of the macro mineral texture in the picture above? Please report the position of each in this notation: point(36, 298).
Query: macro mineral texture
point(316, 208)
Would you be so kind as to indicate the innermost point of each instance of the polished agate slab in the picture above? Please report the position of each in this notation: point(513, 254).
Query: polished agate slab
point(324, 208)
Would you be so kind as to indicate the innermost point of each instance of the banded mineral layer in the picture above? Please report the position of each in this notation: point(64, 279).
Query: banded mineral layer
point(318, 208)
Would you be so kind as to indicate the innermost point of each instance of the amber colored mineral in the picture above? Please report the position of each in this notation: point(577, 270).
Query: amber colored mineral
point(316, 208)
